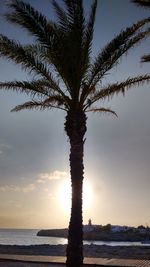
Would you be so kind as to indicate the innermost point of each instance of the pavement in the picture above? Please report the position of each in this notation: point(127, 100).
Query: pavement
point(7, 260)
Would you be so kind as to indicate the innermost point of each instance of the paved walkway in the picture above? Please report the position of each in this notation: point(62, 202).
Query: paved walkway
point(41, 261)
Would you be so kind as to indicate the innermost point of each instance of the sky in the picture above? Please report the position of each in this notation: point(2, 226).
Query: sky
point(34, 149)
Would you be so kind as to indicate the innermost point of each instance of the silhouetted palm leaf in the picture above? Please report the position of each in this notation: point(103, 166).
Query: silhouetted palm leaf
point(109, 56)
point(102, 110)
point(145, 4)
point(142, 3)
point(34, 22)
point(54, 101)
point(32, 88)
point(111, 90)
point(145, 58)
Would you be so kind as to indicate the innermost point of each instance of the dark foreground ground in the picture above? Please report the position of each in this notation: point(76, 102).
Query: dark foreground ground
point(118, 252)
point(21, 264)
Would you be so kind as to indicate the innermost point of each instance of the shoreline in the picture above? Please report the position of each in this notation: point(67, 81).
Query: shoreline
point(95, 251)
point(98, 235)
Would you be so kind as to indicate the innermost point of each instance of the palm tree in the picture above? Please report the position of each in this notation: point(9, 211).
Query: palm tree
point(67, 78)
point(145, 4)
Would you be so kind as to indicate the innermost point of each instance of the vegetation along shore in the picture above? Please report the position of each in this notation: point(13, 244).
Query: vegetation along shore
point(105, 233)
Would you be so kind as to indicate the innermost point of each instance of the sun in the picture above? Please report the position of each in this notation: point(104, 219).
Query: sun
point(64, 195)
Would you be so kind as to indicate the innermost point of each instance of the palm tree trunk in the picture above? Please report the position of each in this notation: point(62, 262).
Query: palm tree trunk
point(76, 127)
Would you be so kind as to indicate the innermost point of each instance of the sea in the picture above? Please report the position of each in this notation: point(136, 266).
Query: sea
point(28, 237)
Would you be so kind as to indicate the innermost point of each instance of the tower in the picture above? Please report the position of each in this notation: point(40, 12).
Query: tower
point(90, 222)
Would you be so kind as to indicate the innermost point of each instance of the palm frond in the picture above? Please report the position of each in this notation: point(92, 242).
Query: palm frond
point(18, 54)
point(23, 14)
point(87, 42)
point(102, 110)
point(75, 18)
point(54, 99)
point(89, 30)
point(52, 59)
point(145, 4)
point(145, 58)
point(142, 3)
point(123, 50)
point(71, 49)
point(62, 46)
point(27, 105)
point(36, 88)
point(32, 88)
point(49, 103)
point(37, 50)
point(108, 64)
point(41, 52)
point(61, 14)
point(47, 33)
point(114, 89)
point(74, 11)
point(113, 51)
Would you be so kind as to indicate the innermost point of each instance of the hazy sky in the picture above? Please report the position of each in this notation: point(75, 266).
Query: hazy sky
point(34, 148)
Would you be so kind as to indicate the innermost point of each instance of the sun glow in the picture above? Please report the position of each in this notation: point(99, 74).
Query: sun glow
point(64, 195)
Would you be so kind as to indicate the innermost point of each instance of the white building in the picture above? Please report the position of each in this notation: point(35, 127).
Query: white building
point(118, 228)
point(88, 227)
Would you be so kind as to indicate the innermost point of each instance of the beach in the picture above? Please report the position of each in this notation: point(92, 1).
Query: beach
point(118, 252)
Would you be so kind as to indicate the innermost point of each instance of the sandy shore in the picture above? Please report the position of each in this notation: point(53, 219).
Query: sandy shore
point(134, 252)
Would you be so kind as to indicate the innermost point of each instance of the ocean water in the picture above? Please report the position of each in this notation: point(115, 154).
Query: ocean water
point(29, 237)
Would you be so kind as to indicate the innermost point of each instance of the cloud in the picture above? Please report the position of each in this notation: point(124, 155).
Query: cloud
point(48, 196)
point(7, 188)
point(12, 188)
point(4, 147)
point(55, 175)
point(51, 196)
point(28, 188)
point(11, 203)
point(46, 189)
point(41, 181)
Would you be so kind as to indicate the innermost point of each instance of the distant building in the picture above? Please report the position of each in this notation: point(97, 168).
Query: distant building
point(118, 228)
point(114, 228)
point(143, 231)
point(88, 227)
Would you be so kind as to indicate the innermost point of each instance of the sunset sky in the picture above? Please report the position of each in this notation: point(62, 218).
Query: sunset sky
point(34, 150)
